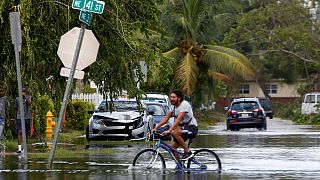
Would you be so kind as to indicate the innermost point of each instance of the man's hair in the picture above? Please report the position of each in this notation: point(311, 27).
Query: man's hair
point(178, 93)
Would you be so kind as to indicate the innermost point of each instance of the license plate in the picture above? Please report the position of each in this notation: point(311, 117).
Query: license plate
point(244, 115)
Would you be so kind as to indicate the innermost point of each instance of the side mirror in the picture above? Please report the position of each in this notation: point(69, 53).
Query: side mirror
point(226, 108)
point(151, 113)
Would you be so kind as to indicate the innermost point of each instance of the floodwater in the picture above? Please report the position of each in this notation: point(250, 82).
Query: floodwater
point(284, 151)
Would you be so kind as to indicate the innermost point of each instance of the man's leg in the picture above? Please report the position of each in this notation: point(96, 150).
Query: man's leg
point(175, 146)
point(19, 128)
point(1, 132)
point(177, 135)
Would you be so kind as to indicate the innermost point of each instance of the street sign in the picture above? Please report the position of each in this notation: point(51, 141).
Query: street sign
point(66, 73)
point(85, 17)
point(88, 52)
point(78, 4)
point(15, 27)
point(94, 6)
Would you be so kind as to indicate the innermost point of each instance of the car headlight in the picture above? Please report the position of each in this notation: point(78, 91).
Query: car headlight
point(137, 122)
point(97, 121)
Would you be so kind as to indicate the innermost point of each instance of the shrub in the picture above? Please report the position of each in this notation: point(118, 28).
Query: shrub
point(40, 105)
point(77, 114)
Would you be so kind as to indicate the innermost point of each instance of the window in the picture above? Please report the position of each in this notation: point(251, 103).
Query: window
point(271, 88)
point(244, 89)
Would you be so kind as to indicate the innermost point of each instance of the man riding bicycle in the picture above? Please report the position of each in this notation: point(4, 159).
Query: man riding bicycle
point(185, 126)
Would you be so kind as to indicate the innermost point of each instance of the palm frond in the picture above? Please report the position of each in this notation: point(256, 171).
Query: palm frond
point(175, 53)
point(228, 61)
point(187, 73)
point(218, 76)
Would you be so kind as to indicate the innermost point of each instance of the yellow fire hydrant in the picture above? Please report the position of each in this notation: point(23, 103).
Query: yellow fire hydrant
point(50, 124)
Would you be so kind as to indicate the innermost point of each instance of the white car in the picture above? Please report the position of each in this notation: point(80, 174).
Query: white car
point(157, 97)
point(127, 120)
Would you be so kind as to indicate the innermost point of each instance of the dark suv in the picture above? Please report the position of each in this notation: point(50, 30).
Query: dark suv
point(267, 106)
point(246, 113)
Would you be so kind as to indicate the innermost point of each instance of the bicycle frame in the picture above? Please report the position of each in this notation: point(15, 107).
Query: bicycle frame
point(170, 150)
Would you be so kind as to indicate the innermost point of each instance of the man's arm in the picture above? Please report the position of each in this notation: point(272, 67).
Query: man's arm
point(8, 114)
point(163, 120)
point(177, 121)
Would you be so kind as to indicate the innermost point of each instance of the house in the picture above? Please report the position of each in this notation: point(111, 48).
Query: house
point(277, 89)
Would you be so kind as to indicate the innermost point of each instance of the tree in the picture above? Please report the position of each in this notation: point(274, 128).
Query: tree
point(44, 22)
point(280, 39)
point(192, 28)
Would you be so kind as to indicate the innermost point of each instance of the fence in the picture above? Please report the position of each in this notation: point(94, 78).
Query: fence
point(95, 98)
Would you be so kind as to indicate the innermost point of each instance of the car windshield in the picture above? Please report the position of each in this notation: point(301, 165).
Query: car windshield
point(119, 105)
point(157, 109)
point(248, 106)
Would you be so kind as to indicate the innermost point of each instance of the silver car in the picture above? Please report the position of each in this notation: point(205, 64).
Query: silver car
point(127, 119)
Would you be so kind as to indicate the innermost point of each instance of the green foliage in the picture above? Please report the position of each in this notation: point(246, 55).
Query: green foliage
point(77, 114)
point(192, 27)
point(41, 105)
point(275, 36)
point(292, 111)
point(287, 110)
point(87, 89)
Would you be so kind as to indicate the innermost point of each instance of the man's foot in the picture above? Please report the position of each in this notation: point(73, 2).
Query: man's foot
point(187, 155)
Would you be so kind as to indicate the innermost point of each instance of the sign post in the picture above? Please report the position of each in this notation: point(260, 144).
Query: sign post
point(17, 41)
point(80, 54)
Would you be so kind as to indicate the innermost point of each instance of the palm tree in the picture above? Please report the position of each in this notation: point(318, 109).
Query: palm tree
point(193, 27)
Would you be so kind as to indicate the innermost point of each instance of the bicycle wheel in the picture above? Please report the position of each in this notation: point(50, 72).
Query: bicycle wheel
point(149, 159)
point(205, 159)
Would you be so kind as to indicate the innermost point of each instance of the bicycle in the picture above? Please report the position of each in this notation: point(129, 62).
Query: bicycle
point(203, 159)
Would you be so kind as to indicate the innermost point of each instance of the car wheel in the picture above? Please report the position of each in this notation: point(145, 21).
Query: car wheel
point(228, 127)
point(87, 134)
point(271, 116)
point(262, 126)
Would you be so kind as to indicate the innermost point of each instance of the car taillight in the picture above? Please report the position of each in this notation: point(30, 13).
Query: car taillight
point(256, 112)
point(232, 113)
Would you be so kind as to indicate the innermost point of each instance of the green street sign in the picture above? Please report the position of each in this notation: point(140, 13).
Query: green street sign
point(85, 17)
point(78, 4)
point(94, 6)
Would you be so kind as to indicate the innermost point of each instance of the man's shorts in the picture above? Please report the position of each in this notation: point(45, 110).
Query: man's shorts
point(188, 132)
point(27, 123)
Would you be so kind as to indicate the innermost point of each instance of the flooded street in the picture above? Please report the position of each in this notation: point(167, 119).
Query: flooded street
point(284, 151)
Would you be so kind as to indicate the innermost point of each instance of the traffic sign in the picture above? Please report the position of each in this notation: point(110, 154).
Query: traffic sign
point(88, 52)
point(93, 6)
point(85, 17)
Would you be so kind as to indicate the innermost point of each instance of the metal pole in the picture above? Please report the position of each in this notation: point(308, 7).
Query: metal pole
point(17, 41)
point(21, 108)
point(66, 94)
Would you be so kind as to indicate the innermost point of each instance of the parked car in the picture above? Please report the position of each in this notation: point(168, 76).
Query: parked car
point(267, 106)
point(246, 113)
point(158, 111)
point(157, 97)
point(128, 119)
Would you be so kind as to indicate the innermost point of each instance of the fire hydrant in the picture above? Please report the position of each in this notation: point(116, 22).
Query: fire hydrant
point(50, 124)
